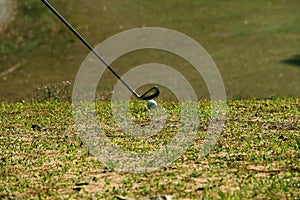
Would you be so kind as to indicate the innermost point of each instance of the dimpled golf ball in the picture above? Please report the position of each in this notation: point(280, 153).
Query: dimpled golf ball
point(152, 104)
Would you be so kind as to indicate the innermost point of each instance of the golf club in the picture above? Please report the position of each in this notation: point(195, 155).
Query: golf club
point(148, 95)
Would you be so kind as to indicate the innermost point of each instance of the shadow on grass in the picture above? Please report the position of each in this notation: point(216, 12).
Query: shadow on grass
point(295, 60)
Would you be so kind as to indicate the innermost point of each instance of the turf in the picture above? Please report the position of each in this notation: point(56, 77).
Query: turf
point(256, 48)
point(253, 44)
point(256, 157)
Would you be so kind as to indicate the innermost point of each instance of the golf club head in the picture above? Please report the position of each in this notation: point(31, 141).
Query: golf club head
point(151, 93)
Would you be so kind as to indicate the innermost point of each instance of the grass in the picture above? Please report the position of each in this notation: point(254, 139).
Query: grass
point(255, 46)
point(248, 42)
point(256, 157)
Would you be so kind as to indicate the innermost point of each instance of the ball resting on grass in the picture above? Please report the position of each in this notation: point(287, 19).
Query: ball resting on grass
point(152, 104)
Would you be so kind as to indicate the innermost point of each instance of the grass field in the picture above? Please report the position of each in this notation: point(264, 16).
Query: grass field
point(257, 156)
point(256, 46)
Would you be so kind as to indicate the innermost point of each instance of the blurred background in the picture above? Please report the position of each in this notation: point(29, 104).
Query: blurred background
point(255, 44)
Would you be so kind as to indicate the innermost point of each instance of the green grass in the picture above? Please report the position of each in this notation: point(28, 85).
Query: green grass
point(256, 157)
point(255, 46)
point(248, 42)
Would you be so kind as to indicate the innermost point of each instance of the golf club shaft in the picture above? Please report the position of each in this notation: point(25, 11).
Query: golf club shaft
point(88, 46)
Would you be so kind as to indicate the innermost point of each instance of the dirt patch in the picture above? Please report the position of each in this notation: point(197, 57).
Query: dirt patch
point(6, 13)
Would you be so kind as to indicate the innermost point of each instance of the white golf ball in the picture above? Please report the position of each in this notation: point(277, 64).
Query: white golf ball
point(152, 104)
